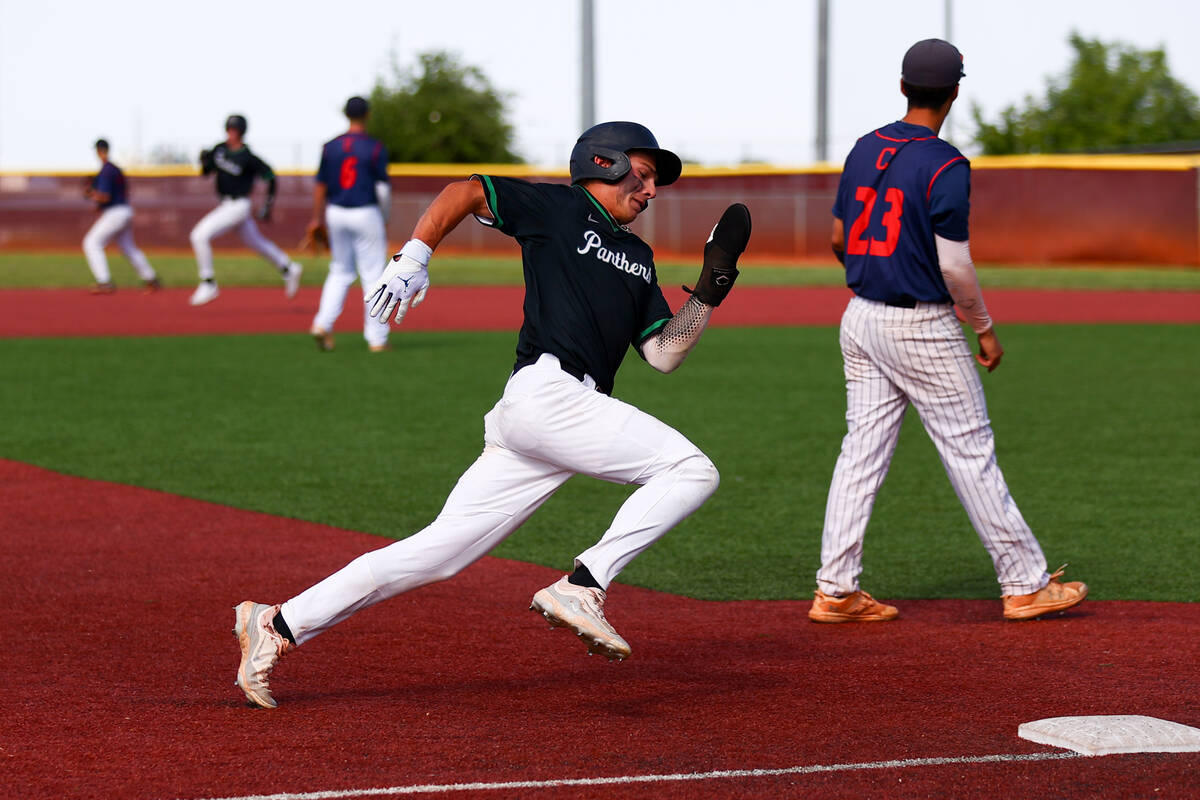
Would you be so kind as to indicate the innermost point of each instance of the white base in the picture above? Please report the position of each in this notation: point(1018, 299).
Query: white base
point(1104, 735)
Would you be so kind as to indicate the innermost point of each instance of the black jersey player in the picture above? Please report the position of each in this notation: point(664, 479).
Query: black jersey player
point(236, 168)
point(591, 293)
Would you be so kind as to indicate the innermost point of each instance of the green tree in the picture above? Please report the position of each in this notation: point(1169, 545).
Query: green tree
point(1113, 97)
point(441, 112)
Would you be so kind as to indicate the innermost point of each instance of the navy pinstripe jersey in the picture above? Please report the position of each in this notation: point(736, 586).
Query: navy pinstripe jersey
point(900, 185)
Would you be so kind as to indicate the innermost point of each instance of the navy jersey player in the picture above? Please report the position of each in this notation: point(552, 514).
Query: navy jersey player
point(351, 198)
point(900, 228)
point(107, 190)
point(591, 292)
point(237, 168)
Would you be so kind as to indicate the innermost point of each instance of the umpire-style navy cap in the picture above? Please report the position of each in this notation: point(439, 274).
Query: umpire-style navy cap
point(356, 108)
point(932, 64)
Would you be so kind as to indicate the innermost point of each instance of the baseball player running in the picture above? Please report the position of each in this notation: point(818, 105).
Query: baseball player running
point(236, 169)
point(351, 198)
point(591, 292)
point(107, 191)
point(900, 228)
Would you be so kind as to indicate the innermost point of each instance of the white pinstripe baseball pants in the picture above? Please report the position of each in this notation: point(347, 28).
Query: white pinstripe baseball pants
point(547, 427)
point(894, 357)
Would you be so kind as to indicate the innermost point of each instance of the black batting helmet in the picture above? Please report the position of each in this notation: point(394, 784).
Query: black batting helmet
point(237, 122)
point(613, 141)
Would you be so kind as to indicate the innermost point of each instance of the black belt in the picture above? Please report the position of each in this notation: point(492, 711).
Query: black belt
point(900, 303)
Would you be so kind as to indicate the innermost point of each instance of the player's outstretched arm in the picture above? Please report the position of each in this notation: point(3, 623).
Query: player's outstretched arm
point(667, 349)
point(406, 279)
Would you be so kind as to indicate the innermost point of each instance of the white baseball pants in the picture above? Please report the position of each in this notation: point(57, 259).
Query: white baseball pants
point(357, 249)
point(115, 222)
point(547, 427)
point(894, 357)
point(232, 213)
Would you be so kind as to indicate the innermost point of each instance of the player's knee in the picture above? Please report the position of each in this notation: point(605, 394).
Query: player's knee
point(699, 470)
point(198, 237)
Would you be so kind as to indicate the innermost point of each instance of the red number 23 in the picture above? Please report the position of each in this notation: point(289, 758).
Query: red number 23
point(859, 246)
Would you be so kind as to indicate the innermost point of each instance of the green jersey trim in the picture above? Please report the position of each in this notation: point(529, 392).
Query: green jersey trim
point(646, 334)
point(490, 190)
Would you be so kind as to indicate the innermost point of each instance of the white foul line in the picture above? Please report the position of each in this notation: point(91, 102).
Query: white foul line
point(434, 788)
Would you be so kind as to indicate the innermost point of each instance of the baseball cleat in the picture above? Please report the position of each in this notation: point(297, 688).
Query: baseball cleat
point(291, 279)
point(323, 338)
point(581, 609)
point(151, 286)
point(206, 292)
point(379, 348)
point(103, 288)
point(854, 607)
point(261, 648)
point(1054, 596)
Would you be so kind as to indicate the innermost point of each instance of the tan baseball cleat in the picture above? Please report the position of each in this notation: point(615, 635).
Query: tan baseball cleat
point(1054, 596)
point(854, 607)
point(261, 648)
point(581, 608)
point(323, 338)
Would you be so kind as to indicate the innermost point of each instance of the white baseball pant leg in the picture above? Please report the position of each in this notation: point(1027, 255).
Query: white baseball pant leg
point(225, 217)
point(231, 213)
point(115, 222)
point(547, 427)
point(252, 236)
point(894, 357)
point(357, 249)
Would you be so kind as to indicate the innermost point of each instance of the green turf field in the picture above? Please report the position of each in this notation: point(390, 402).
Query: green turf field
point(55, 270)
point(1097, 427)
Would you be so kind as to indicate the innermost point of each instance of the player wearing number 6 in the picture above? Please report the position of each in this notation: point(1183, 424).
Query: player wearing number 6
point(350, 208)
point(900, 228)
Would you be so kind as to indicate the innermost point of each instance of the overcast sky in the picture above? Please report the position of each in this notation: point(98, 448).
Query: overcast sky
point(718, 81)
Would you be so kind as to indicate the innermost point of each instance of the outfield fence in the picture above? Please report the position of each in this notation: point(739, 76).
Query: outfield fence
point(1029, 209)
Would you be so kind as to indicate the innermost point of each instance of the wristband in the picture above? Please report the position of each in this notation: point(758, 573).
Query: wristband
point(418, 251)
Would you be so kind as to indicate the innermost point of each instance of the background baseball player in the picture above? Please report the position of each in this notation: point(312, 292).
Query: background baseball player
point(591, 292)
point(107, 190)
point(900, 228)
point(236, 169)
point(351, 199)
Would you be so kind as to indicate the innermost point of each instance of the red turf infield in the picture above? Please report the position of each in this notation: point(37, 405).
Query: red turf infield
point(119, 670)
point(46, 312)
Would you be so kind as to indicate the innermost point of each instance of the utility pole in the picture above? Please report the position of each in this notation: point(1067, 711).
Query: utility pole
point(587, 66)
point(949, 12)
point(823, 80)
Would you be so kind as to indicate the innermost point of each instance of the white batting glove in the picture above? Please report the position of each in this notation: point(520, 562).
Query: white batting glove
point(404, 283)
